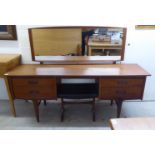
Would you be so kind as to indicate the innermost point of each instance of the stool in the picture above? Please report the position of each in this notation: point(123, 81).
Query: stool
point(78, 91)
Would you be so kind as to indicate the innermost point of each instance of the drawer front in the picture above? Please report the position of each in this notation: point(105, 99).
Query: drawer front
point(121, 93)
point(121, 88)
point(121, 82)
point(33, 81)
point(34, 88)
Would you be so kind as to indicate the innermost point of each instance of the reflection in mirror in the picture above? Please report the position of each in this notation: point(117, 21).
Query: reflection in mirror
point(61, 43)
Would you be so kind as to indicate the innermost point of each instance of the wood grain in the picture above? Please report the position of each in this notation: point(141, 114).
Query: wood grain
point(8, 62)
point(79, 70)
point(55, 42)
point(147, 123)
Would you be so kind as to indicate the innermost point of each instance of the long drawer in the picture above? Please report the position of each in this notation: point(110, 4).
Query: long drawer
point(34, 88)
point(121, 93)
point(33, 81)
point(118, 88)
point(121, 82)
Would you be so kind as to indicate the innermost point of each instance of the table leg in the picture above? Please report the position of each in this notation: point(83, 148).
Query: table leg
point(12, 106)
point(36, 109)
point(119, 107)
point(62, 109)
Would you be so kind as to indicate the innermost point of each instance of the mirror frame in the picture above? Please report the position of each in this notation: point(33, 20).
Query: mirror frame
point(77, 59)
point(9, 34)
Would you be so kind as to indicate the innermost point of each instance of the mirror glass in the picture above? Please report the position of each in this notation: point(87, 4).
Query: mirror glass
point(64, 43)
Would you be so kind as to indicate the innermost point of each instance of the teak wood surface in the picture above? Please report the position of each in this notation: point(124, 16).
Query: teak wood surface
point(116, 82)
point(78, 70)
point(54, 42)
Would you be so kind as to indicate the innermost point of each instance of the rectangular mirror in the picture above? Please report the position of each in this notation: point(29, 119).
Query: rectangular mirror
point(77, 44)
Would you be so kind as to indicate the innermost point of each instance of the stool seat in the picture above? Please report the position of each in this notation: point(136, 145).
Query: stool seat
point(77, 91)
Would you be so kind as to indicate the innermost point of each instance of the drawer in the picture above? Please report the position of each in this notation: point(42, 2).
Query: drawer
point(121, 93)
point(34, 88)
point(35, 93)
point(33, 81)
point(121, 82)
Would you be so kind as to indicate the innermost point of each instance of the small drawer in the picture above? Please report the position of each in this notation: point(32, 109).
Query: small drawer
point(121, 82)
point(120, 93)
point(107, 93)
point(134, 93)
point(34, 88)
point(35, 93)
point(33, 81)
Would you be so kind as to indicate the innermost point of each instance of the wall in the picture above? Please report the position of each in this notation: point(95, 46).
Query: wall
point(140, 51)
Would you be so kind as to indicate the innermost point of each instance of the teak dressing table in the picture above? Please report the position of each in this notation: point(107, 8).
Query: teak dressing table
point(76, 53)
point(117, 82)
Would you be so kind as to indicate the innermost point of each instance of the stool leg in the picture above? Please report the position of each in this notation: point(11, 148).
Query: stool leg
point(93, 110)
point(62, 110)
point(45, 103)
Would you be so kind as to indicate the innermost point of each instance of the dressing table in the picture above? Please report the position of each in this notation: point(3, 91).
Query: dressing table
point(39, 82)
point(36, 82)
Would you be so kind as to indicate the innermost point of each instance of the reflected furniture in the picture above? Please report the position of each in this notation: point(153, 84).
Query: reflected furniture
point(55, 41)
point(117, 82)
point(51, 43)
point(139, 123)
point(103, 45)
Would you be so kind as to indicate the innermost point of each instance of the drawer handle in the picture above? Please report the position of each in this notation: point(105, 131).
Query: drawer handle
point(33, 82)
point(121, 92)
point(33, 92)
point(122, 82)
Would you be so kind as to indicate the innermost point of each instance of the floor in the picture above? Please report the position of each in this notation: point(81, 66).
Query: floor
point(77, 117)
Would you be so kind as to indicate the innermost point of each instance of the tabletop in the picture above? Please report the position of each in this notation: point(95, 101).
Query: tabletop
point(143, 123)
point(78, 70)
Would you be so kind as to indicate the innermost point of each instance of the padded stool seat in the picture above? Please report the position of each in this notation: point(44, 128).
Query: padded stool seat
point(78, 91)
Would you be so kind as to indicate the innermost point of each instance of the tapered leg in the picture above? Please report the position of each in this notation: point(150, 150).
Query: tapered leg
point(119, 107)
point(36, 109)
point(12, 106)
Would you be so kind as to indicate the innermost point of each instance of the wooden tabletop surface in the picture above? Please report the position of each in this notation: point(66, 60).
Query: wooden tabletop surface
point(78, 70)
point(133, 123)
